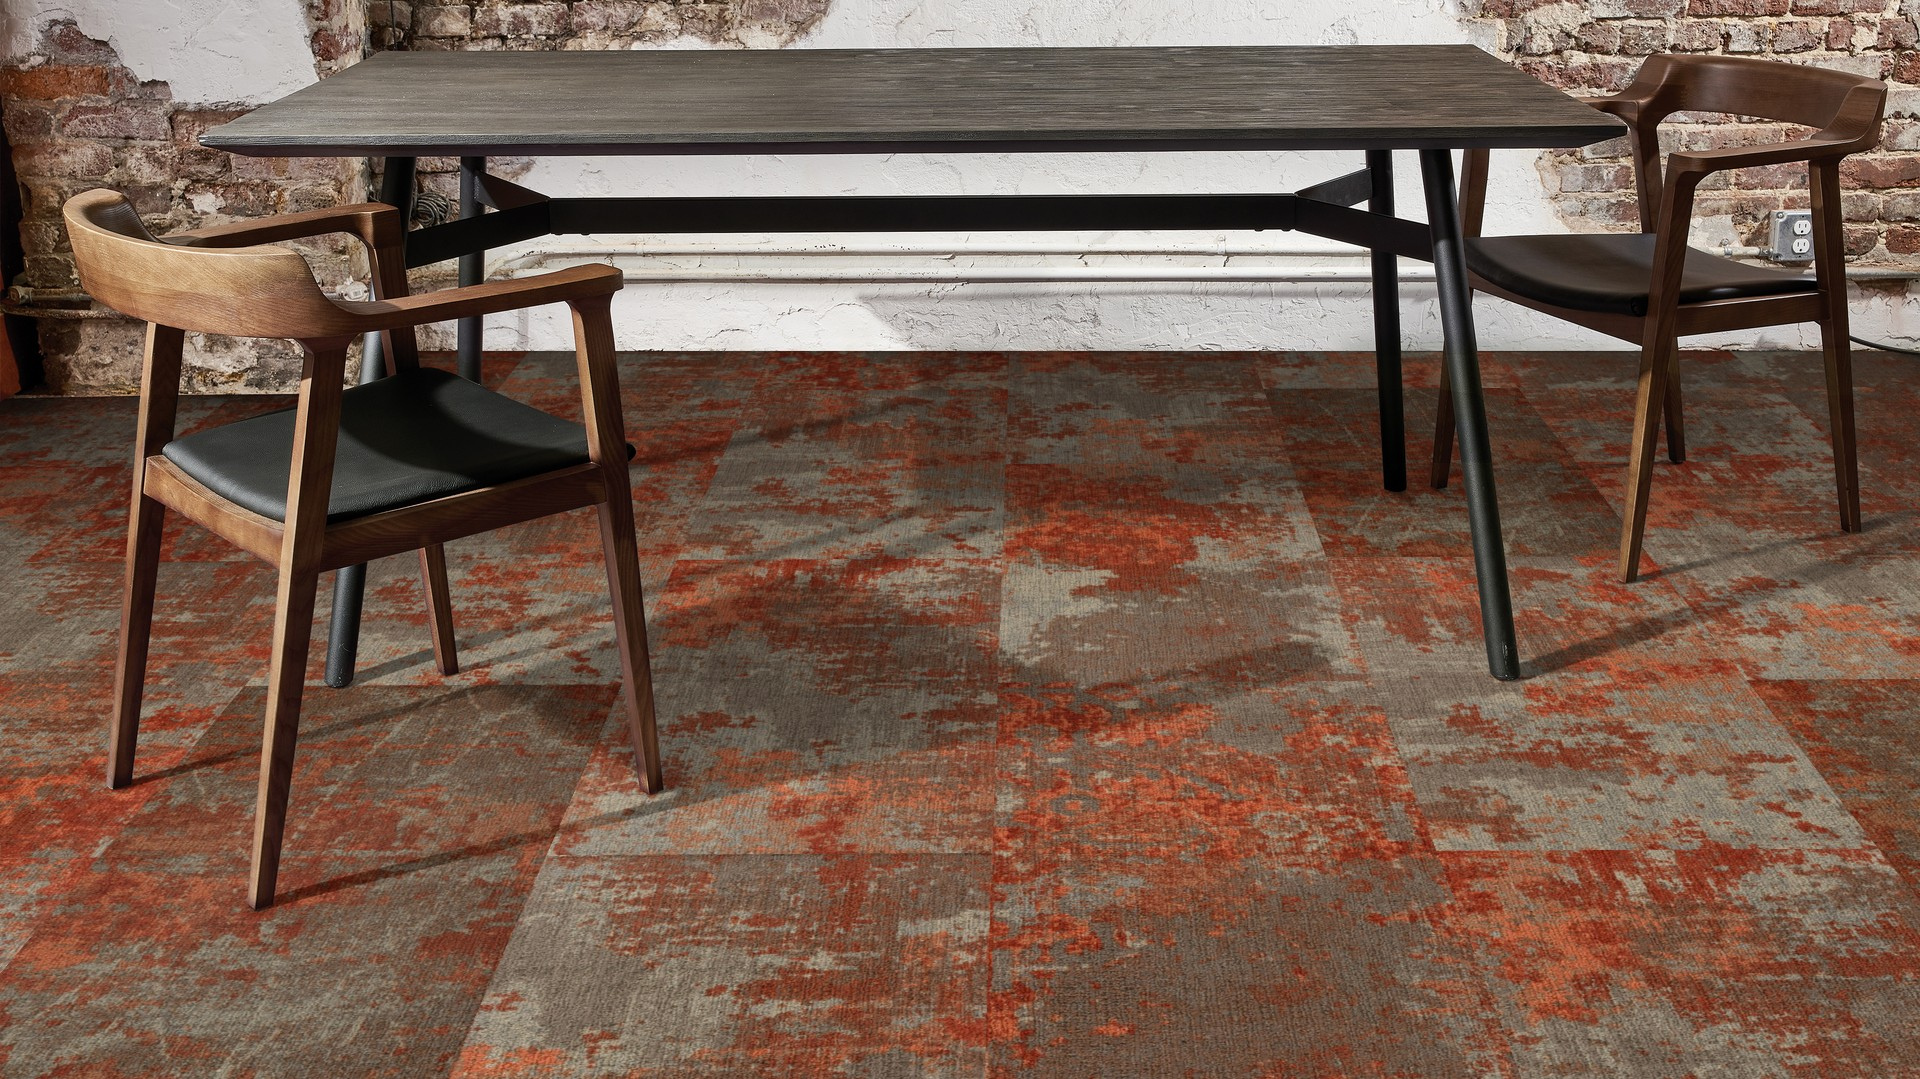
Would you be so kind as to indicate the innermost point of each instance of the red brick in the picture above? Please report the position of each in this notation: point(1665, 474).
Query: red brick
point(1601, 212)
point(708, 21)
point(1595, 178)
point(1737, 7)
point(1645, 38)
point(1904, 239)
point(1797, 35)
point(802, 12)
point(1897, 34)
point(1744, 207)
point(1860, 239)
point(26, 122)
point(1747, 37)
point(390, 14)
point(1542, 41)
point(330, 169)
point(1610, 150)
point(332, 45)
point(149, 163)
point(301, 197)
point(1840, 35)
point(235, 199)
point(1902, 170)
point(1605, 74)
point(189, 124)
point(522, 20)
point(201, 164)
point(149, 200)
point(608, 15)
point(53, 82)
point(119, 121)
point(1698, 35)
point(1602, 37)
point(127, 88)
point(1861, 207)
point(1904, 206)
point(65, 44)
point(81, 160)
point(451, 21)
point(1838, 7)
point(1693, 135)
point(1770, 178)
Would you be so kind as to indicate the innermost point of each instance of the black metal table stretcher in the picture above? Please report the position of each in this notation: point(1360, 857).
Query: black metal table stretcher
point(1431, 99)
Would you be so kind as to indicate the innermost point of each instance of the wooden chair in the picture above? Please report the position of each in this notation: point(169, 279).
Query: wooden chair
point(1650, 287)
point(401, 464)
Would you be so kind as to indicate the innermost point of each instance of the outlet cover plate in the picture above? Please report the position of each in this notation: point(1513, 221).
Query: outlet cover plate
point(1791, 236)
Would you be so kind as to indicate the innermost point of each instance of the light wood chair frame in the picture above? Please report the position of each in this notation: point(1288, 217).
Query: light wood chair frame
point(223, 280)
point(1846, 112)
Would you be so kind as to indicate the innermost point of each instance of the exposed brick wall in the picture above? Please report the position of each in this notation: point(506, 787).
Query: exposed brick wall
point(1595, 46)
point(591, 24)
point(78, 119)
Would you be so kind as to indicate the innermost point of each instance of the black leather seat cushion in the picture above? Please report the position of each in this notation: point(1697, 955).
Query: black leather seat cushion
point(414, 436)
point(1612, 272)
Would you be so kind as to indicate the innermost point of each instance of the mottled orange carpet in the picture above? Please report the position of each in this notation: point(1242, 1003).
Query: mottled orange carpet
point(1054, 715)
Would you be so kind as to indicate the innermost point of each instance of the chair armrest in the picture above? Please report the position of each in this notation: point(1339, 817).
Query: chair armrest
point(560, 286)
point(1772, 153)
point(376, 224)
point(1626, 104)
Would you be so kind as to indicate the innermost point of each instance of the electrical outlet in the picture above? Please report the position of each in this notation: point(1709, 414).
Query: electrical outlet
point(1792, 237)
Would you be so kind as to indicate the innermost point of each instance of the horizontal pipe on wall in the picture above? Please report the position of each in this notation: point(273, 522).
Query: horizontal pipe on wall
point(632, 260)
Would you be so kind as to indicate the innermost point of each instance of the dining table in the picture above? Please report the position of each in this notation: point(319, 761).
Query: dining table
point(1372, 100)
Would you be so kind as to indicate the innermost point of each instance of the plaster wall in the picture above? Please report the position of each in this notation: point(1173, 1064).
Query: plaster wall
point(209, 51)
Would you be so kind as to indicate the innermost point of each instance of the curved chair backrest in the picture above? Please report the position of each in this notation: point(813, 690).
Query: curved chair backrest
point(241, 292)
point(1789, 93)
point(1844, 108)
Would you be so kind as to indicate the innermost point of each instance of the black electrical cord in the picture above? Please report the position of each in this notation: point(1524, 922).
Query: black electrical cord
point(1883, 346)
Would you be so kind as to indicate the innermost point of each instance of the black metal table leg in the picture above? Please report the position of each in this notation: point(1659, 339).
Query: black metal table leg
point(350, 582)
point(1470, 414)
point(473, 267)
point(1386, 330)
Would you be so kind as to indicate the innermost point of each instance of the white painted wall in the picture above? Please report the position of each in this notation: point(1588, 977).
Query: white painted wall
point(800, 293)
point(209, 51)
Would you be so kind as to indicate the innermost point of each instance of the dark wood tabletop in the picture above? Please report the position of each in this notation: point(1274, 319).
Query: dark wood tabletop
point(945, 100)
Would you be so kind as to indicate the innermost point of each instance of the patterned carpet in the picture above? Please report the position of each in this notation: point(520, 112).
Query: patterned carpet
point(1054, 715)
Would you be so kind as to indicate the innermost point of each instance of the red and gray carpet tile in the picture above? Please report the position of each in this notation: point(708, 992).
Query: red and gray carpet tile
point(1086, 715)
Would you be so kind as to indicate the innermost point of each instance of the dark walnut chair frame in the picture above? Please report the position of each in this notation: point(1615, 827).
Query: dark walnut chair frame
point(1653, 289)
point(222, 280)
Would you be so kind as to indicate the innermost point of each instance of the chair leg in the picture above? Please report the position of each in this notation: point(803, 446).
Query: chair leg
point(1676, 422)
point(1655, 362)
point(136, 630)
point(433, 574)
point(1846, 462)
point(286, 679)
point(1442, 462)
point(630, 634)
point(316, 427)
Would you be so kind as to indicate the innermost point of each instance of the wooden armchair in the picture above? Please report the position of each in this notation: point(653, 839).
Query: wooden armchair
point(404, 463)
point(1652, 288)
